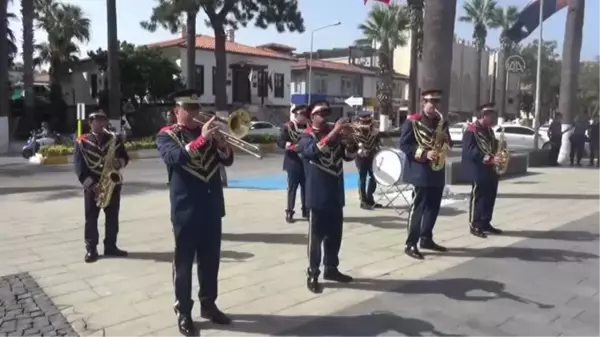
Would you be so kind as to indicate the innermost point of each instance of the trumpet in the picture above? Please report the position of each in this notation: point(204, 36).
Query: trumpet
point(233, 129)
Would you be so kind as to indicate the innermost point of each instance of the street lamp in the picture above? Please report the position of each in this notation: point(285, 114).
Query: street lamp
point(312, 40)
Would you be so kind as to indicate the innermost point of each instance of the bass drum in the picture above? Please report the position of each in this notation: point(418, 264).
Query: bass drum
point(387, 167)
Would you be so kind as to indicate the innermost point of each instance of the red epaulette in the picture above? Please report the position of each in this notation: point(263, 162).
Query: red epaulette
point(288, 123)
point(472, 127)
point(167, 128)
point(414, 117)
point(308, 130)
point(82, 137)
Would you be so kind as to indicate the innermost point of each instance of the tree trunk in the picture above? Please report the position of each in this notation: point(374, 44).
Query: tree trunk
point(477, 65)
point(27, 19)
point(570, 71)
point(416, 27)
point(4, 97)
point(221, 65)
point(114, 78)
point(438, 39)
point(190, 52)
point(502, 83)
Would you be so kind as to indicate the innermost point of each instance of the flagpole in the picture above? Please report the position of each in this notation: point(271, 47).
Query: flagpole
point(538, 80)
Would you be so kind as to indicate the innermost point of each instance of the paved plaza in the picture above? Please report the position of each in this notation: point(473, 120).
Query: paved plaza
point(541, 278)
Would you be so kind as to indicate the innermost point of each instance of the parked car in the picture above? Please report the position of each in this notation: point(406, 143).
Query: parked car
point(263, 128)
point(456, 132)
point(520, 137)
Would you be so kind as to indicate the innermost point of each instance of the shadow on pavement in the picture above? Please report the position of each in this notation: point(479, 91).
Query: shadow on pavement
point(549, 196)
point(374, 324)
point(554, 235)
point(71, 191)
point(382, 221)
point(519, 253)
point(278, 238)
point(458, 289)
point(226, 256)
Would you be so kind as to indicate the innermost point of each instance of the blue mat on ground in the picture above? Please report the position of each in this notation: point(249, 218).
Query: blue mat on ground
point(279, 182)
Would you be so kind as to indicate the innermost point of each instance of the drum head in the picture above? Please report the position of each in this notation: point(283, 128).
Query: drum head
point(387, 167)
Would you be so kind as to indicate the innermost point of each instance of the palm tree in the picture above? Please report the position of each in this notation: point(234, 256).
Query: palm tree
point(27, 14)
point(570, 68)
point(65, 25)
point(4, 53)
point(505, 18)
point(481, 14)
point(438, 40)
point(386, 24)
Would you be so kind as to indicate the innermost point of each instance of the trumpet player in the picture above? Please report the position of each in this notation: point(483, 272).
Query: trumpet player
point(323, 150)
point(479, 145)
point(192, 152)
point(368, 139)
point(417, 141)
point(89, 156)
point(292, 163)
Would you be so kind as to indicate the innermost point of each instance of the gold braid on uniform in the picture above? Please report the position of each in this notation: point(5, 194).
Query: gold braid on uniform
point(425, 137)
point(203, 163)
point(368, 139)
point(331, 159)
point(486, 143)
point(93, 154)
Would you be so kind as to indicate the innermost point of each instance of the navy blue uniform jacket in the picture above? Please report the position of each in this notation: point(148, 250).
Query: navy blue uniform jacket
point(193, 164)
point(324, 168)
point(288, 139)
point(416, 166)
point(88, 156)
point(478, 147)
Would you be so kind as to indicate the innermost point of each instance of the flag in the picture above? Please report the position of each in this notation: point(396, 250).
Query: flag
point(529, 18)
point(387, 2)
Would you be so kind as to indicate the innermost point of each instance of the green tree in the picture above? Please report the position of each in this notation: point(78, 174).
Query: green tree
point(387, 25)
point(284, 15)
point(589, 87)
point(438, 40)
point(27, 18)
point(10, 39)
point(65, 25)
point(146, 74)
point(482, 15)
point(4, 60)
point(505, 18)
point(550, 72)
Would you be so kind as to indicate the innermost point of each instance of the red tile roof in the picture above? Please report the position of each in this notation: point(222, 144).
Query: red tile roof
point(208, 43)
point(332, 66)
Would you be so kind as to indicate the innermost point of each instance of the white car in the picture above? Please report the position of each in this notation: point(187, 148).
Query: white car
point(456, 132)
point(519, 137)
point(263, 128)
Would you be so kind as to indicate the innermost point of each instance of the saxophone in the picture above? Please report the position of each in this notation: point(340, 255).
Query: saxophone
point(439, 145)
point(110, 176)
point(502, 152)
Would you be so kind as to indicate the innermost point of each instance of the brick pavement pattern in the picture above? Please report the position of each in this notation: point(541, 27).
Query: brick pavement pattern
point(263, 258)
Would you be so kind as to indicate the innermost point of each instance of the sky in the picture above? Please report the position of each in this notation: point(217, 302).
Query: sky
point(316, 13)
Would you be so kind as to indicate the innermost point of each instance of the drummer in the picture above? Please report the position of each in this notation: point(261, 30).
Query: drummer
point(368, 144)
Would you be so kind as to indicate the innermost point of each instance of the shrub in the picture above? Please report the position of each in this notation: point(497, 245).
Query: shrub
point(67, 150)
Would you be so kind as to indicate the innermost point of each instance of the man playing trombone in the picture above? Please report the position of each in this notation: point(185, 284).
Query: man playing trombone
point(193, 151)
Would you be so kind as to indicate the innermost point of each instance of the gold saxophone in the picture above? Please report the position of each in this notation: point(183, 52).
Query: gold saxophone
point(439, 145)
point(503, 154)
point(110, 176)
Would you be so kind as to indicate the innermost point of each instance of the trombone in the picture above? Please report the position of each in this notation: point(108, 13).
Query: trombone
point(237, 126)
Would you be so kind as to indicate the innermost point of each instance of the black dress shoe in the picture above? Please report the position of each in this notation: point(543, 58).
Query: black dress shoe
point(365, 205)
point(376, 205)
point(114, 252)
point(91, 255)
point(313, 285)
point(413, 252)
point(492, 230)
point(305, 213)
point(431, 245)
point(289, 216)
point(477, 232)
point(186, 326)
point(213, 314)
point(333, 274)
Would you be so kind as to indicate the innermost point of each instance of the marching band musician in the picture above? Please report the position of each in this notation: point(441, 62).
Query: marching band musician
point(479, 167)
point(324, 152)
point(292, 163)
point(193, 152)
point(88, 156)
point(369, 142)
point(428, 185)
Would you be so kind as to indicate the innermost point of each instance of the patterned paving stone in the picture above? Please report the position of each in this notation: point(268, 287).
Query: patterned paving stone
point(25, 310)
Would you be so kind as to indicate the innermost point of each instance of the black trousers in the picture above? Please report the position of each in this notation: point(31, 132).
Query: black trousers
point(325, 228)
point(111, 219)
point(577, 149)
point(295, 179)
point(366, 179)
point(202, 242)
point(554, 151)
point(423, 213)
point(481, 203)
point(594, 151)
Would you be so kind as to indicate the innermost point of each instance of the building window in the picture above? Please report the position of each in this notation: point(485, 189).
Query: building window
point(214, 81)
point(279, 89)
point(199, 79)
point(94, 84)
point(320, 85)
point(263, 83)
